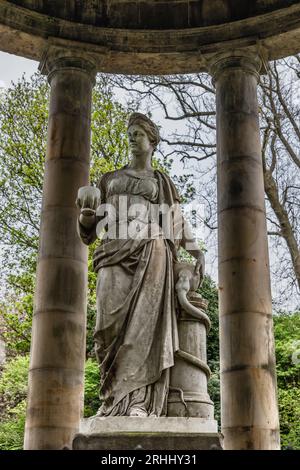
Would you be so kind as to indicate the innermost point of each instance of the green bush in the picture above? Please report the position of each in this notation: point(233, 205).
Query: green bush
point(12, 428)
point(14, 378)
point(287, 336)
point(287, 340)
point(209, 292)
point(289, 412)
point(13, 393)
point(91, 388)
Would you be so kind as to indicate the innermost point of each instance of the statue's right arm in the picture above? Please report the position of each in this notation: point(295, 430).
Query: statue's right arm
point(87, 224)
point(86, 228)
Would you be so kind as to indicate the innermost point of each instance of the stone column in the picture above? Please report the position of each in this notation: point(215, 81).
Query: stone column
point(248, 379)
point(58, 337)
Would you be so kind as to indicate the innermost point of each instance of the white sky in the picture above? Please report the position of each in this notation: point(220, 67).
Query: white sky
point(12, 67)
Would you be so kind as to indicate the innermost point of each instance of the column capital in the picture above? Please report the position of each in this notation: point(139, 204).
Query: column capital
point(238, 59)
point(67, 55)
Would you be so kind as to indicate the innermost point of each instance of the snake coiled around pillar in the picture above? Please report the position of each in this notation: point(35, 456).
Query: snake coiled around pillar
point(188, 280)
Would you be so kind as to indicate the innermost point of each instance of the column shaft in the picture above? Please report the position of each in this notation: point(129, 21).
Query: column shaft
point(58, 338)
point(248, 379)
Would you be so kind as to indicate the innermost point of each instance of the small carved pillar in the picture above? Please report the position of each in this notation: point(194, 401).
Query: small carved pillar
point(188, 395)
point(58, 338)
point(248, 379)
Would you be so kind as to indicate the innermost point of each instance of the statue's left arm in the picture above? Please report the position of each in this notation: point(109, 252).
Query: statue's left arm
point(87, 223)
point(189, 243)
point(182, 232)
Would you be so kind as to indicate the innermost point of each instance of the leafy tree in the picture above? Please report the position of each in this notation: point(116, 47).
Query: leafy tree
point(91, 388)
point(281, 162)
point(188, 105)
point(289, 414)
point(287, 341)
point(209, 292)
point(13, 393)
point(12, 428)
point(287, 338)
point(23, 128)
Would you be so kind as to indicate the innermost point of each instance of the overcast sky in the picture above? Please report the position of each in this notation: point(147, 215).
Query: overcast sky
point(12, 67)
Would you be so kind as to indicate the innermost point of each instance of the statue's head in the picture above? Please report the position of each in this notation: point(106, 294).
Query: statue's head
point(147, 125)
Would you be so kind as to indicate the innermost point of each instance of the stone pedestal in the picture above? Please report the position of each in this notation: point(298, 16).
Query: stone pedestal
point(129, 433)
point(188, 394)
point(189, 424)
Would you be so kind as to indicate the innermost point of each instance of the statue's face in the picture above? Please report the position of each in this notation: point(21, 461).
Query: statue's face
point(139, 142)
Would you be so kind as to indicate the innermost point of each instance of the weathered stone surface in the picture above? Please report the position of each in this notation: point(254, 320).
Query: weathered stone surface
point(242, 288)
point(152, 14)
point(137, 336)
point(246, 438)
point(170, 425)
point(56, 373)
point(151, 36)
point(147, 433)
point(248, 379)
point(149, 441)
point(188, 394)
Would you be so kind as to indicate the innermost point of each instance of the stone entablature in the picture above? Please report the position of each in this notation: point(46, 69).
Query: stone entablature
point(160, 48)
point(153, 14)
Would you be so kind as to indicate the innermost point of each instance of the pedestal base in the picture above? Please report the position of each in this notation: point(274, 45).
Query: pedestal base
point(129, 433)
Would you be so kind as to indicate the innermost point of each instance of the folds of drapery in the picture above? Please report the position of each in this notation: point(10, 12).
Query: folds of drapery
point(166, 212)
point(136, 332)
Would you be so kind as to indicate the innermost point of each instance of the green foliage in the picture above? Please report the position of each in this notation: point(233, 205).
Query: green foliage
point(16, 322)
point(91, 388)
point(289, 414)
point(209, 292)
point(91, 305)
point(109, 144)
point(13, 380)
point(185, 187)
point(23, 127)
point(90, 327)
point(12, 428)
point(287, 346)
point(287, 338)
point(13, 393)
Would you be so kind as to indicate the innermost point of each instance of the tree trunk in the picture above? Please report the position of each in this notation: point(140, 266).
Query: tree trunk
point(283, 219)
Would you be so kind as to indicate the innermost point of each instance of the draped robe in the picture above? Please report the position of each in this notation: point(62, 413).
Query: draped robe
point(136, 333)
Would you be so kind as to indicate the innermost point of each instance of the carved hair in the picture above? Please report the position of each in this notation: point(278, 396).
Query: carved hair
point(149, 127)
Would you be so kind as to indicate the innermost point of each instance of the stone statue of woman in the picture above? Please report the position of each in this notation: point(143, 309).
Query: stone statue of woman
point(136, 333)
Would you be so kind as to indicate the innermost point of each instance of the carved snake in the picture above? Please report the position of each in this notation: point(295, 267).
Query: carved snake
point(182, 287)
